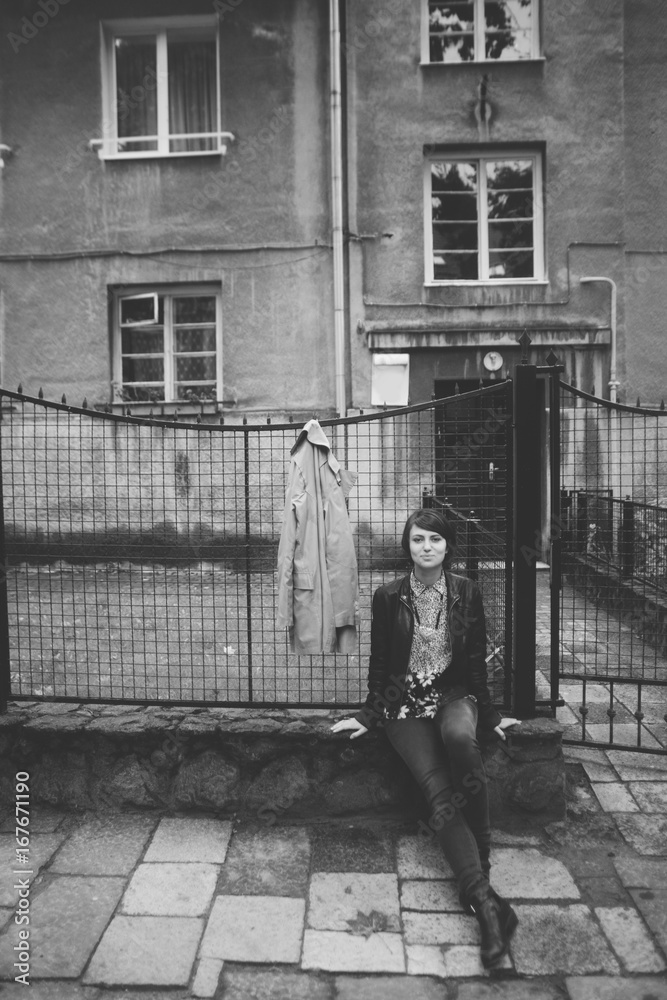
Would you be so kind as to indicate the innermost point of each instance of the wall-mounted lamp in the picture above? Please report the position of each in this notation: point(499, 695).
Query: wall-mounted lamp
point(613, 381)
point(4, 149)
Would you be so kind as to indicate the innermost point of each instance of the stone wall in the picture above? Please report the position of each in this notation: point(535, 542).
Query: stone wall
point(274, 766)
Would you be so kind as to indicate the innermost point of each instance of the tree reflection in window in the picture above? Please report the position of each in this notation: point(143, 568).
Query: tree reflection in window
point(475, 30)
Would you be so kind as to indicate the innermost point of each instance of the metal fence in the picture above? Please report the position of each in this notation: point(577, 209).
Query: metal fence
point(141, 552)
point(613, 535)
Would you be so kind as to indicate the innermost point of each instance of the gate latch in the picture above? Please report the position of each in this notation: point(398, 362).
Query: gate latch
point(492, 469)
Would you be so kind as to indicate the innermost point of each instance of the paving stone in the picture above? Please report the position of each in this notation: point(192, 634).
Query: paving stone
point(272, 862)
point(146, 951)
point(170, 890)
point(651, 795)
point(557, 940)
point(501, 838)
point(440, 928)
point(427, 959)
point(627, 934)
point(514, 989)
point(599, 772)
point(53, 990)
point(67, 920)
point(437, 895)
point(421, 857)
point(336, 900)
point(615, 797)
point(43, 819)
point(192, 839)
point(612, 988)
point(386, 988)
point(207, 977)
point(273, 984)
point(590, 862)
point(638, 766)
point(353, 849)
point(653, 906)
point(42, 848)
point(642, 873)
point(603, 891)
point(526, 873)
point(625, 734)
point(580, 753)
point(595, 694)
point(109, 846)
point(647, 833)
point(255, 929)
point(337, 951)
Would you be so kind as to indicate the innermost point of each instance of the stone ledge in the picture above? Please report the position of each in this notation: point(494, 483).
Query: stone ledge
point(273, 764)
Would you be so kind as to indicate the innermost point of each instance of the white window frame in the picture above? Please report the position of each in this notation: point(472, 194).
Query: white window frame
point(480, 37)
point(171, 292)
point(466, 156)
point(108, 147)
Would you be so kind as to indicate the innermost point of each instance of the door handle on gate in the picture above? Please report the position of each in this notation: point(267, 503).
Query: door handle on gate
point(492, 469)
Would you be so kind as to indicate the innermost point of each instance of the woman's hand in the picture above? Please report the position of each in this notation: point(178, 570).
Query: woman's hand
point(505, 724)
point(359, 730)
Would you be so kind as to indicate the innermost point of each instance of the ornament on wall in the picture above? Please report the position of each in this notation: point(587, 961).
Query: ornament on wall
point(483, 109)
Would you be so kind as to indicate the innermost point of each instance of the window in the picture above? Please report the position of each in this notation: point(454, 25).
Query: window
point(161, 88)
point(479, 30)
point(484, 218)
point(167, 345)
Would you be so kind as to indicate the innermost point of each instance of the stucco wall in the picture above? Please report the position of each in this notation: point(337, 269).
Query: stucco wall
point(270, 189)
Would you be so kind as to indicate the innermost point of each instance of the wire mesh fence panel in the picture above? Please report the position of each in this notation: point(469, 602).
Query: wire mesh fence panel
point(614, 549)
point(142, 553)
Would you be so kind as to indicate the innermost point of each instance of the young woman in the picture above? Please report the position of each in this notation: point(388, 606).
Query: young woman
point(427, 684)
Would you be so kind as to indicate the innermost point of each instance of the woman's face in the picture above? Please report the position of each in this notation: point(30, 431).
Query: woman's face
point(427, 548)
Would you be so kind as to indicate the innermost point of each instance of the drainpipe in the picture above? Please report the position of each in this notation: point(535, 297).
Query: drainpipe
point(337, 207)
point(613, 381)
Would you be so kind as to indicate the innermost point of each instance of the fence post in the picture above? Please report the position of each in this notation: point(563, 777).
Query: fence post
point(526, 535)
point(248, 561)
point(5, 670)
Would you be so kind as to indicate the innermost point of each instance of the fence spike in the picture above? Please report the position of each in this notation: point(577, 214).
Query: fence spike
point(481, 383)
point(268, 420)
point(222, 420)
point(40, 394)
point(128, 411)
point(638, 401)
point(20, 389)
point(198, 419)
point(64, 399)
point(457, 389)
point(662, 404)
point(433, 397)
point(245, 420)
point(384, 405)
point(84, 405)
point(150, 413)
point(361, 413)
point(291, 418)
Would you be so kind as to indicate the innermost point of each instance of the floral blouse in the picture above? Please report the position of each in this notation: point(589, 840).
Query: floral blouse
point(431, 651)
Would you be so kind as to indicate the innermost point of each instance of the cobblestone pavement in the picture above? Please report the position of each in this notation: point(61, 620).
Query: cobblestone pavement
point(143, 906)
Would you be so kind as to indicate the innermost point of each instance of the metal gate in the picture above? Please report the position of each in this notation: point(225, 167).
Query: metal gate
point(609, 545)
point(140, 552)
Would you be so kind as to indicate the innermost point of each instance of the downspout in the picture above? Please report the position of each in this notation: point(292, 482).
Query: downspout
point(337, 207)
point(613, 381)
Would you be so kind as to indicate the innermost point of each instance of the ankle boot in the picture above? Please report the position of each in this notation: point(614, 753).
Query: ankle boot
point(495, 930)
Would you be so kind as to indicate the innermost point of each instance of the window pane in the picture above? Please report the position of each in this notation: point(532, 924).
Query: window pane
point(510, 204)
point(195, 340)
point(454, 207)
point(193, 103)
point(455, 236)
point(451, 27)
point(136, 90)
point(507, 175)
point(191, 369)
point(142, 341)
point(141, 309)
point(455, 267)
point(516, 264)
point(454, 177)
point(143, 369)
point(142, 393)
point(196, 392)
point(510, 234)
point(508, 29)
point(194, 309)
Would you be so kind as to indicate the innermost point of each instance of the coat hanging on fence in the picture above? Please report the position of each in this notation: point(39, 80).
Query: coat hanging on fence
point(317, 564)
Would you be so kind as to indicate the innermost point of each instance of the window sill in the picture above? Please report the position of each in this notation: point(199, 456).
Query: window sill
point(105, 148)
point(490, 283)
point(168, 410)
point(533, 61)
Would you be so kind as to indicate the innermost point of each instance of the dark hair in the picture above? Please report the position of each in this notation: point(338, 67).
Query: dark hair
point(430, 520)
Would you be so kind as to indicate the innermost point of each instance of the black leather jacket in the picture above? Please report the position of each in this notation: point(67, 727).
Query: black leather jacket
point(391, 641)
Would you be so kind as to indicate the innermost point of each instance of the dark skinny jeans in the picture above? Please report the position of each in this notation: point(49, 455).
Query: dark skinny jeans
point(443, 756)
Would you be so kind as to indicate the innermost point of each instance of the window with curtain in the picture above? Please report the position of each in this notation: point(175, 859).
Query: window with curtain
point(162, 88)
point(167, 345)
point(484, 217)
point(480, 30)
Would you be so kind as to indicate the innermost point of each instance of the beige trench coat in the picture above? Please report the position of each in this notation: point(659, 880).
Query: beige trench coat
point(317, 564)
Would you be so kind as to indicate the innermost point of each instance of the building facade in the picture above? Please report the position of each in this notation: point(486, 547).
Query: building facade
point(268, 207)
